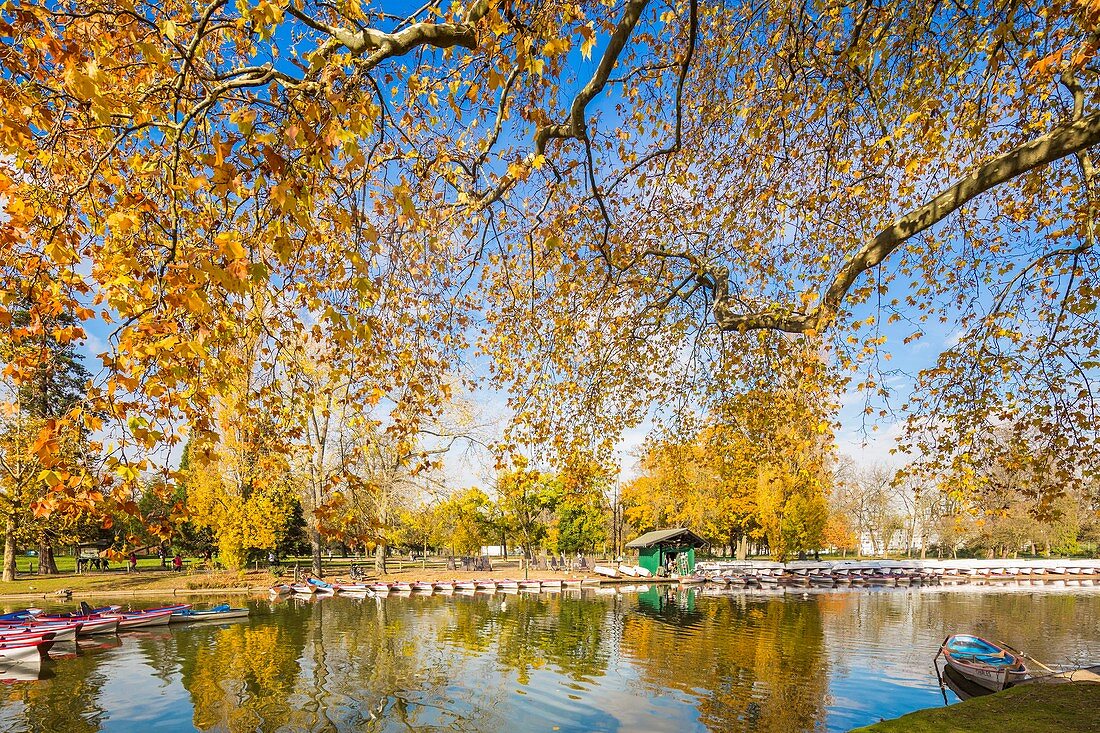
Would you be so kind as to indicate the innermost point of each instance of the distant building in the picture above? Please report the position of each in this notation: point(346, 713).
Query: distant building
point(664, 548)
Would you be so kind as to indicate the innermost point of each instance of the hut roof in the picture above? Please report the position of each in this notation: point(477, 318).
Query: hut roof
point(678, 536)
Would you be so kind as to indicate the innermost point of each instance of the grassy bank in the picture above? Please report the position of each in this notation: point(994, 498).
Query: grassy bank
point(1036, 708)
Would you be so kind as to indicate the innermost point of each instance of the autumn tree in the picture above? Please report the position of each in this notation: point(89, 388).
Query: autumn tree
point(612, 204)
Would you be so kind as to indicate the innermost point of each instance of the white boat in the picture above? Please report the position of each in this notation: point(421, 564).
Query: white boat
point(443, 585)
point(551, 583)
point(352, 588)
point(605, 571)
point(485, 584)
point(642, 572)
point(423, 586)
point(508, 584)
point(24, 650)
point(379, 587)
point(993, 666)
point(466, 585)
point(222, 612)
point(628, 571)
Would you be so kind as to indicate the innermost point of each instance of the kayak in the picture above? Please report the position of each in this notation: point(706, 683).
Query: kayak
point(986, 663)
point(221, 612)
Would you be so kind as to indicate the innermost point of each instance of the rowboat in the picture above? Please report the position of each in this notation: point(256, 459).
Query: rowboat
point(379, 587)
point(22, 650)
point(84, 612)
point(530, 585)
point(628, 570)
point(400, 587)
point(221, 612)
point(148, 617)
point(351, 588)
point(62, 630)
point(508, 584)
point(551, 583)
point(321, 586)
point(572, 582)
point(642, 572)
point(605, 571)
point(27, 636)
point(485, 584)
point(281, 589)
point(423, 586)
point(303, 589)
point(692, 580)
point(443, 585)
point(98, 625)
point(466, 585)
point(991, 665)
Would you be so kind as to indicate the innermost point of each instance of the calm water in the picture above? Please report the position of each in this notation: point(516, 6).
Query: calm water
point(660, 660)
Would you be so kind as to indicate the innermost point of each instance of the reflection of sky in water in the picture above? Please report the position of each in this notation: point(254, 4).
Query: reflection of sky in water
point(665, 660)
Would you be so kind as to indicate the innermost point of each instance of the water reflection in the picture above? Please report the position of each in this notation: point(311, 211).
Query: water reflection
point(659, 659)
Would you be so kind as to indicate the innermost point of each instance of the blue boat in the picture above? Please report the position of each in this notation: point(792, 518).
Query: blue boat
point(222, 612)
point(986, 663)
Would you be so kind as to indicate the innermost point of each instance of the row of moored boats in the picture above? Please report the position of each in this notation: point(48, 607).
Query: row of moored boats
point(882, 573)
point(315, 586)
point(31, 632)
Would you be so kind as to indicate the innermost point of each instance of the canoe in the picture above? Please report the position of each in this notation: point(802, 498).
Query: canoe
point(22, 650)
point(221, 612)
point(991, 665)
point(303, 589)
point(605, 571)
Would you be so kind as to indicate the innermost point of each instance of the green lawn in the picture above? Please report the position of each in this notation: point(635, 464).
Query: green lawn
point(1035, 708)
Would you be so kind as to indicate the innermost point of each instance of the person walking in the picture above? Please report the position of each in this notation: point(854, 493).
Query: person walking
point(133, 562)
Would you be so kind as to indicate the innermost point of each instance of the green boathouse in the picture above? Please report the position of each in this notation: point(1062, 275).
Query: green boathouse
point(668, 548)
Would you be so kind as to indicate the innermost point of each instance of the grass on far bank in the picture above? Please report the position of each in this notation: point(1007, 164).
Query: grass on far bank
point(1034, 708)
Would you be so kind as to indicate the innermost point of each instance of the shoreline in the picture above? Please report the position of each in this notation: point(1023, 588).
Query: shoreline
point(227, 583)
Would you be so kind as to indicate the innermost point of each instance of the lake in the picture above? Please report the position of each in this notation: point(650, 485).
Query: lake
point(664, 659)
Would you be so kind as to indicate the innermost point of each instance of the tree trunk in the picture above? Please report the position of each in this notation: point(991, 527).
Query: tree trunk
point(46, 564)
point(742, 547)
point(9, 551)
point(315, 546)
point(380, 559)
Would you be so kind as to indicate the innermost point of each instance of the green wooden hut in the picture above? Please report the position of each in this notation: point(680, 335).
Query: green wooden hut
point(657, 549)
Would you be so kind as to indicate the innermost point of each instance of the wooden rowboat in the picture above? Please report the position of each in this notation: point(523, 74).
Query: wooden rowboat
point(986, 663)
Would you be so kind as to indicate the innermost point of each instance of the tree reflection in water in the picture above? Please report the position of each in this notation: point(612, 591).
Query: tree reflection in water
point(666, 659)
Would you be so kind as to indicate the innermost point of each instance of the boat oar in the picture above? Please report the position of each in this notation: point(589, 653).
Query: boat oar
point(1028, 657)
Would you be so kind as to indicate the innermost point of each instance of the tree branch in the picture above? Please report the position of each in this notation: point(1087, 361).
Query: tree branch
point(1067, 139)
